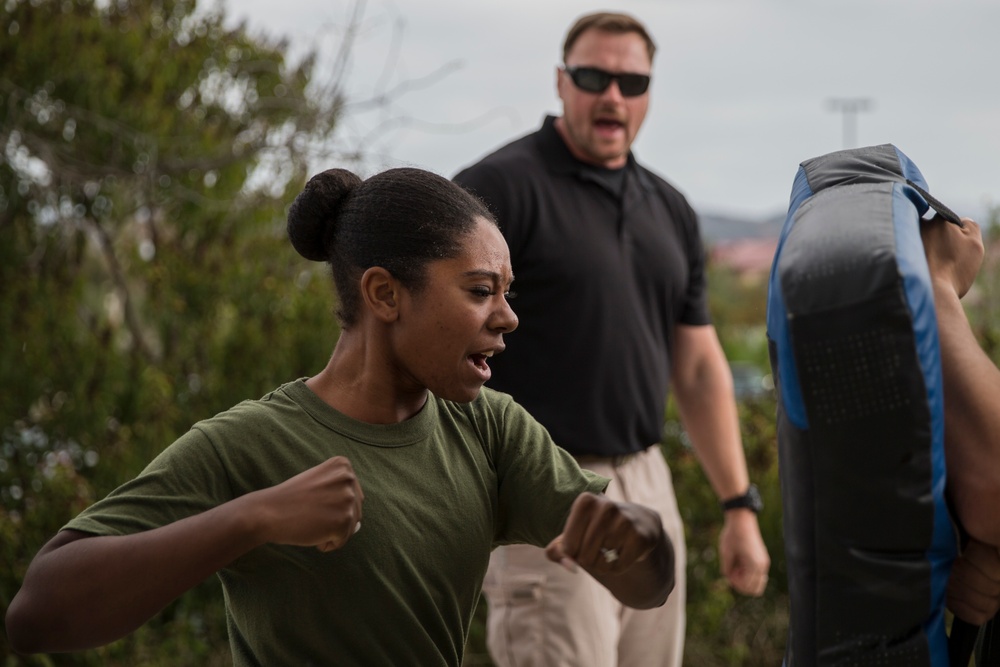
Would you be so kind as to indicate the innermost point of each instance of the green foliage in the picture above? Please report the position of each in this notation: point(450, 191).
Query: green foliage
point(738, 303)
point(146, 280)
point(725, 628)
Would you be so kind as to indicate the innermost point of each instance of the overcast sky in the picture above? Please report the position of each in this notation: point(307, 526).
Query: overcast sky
point(741, 89)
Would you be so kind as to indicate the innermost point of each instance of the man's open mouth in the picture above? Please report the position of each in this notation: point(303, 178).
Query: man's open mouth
point(608, 124)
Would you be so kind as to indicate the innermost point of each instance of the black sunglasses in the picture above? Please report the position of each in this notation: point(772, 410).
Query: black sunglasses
point(595, 80)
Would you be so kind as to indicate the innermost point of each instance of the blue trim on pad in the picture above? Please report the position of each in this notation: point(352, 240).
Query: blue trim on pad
point(777, 316)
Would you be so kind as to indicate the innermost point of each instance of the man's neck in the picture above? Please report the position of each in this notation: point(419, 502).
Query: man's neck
point(616, 163)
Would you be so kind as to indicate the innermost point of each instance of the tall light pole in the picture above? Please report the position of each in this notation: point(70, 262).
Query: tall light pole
point(850, 107)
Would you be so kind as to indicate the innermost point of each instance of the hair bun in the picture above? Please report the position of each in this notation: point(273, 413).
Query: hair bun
point(313, 215)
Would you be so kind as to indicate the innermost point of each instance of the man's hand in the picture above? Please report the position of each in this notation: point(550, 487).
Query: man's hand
point(743, 556)
point(974, 586)
point(954, 253)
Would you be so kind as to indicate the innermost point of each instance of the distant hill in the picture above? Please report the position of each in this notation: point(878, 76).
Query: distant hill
point(743, 244)
point(717, 228)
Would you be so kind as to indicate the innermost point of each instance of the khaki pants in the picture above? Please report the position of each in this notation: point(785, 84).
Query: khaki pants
point(541, 615)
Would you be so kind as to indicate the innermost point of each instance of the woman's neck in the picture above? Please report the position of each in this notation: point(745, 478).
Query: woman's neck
point(361, 381)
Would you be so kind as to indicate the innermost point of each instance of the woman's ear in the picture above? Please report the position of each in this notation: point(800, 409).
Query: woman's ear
point(380, 292)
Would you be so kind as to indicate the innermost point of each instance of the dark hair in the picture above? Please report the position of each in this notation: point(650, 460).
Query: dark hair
point(400, 220)
point(612, 22)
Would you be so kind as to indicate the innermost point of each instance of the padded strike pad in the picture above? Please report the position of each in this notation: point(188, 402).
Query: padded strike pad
point(854, 350)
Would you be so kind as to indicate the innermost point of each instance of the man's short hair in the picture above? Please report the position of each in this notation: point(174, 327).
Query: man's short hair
point(612, 22)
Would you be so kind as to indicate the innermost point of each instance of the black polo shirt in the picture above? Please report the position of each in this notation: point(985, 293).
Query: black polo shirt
point(602, 275)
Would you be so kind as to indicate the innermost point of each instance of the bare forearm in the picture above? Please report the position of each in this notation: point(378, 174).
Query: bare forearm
point(703, 388)
point(81, 591)
point(972, 420)
point(86, 592)
point(708, 410)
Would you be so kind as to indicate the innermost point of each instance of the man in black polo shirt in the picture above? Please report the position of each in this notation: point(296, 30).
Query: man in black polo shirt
point(609, 270)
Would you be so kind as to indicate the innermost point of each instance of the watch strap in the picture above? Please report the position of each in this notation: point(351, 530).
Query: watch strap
point(750, 500)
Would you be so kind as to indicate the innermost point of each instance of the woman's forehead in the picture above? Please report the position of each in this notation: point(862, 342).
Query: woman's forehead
point(489, 241)
point(485, 250)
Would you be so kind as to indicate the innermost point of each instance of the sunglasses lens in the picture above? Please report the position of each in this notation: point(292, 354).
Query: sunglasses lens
point(591, 80)
point(633, 84)
point(595, 80)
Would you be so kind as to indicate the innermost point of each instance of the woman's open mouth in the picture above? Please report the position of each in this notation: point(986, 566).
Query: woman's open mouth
point(479, 362)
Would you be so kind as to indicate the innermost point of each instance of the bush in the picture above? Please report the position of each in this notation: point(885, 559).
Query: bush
point(725, 628)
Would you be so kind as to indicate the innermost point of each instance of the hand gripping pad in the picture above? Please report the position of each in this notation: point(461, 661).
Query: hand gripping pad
point(854, 352)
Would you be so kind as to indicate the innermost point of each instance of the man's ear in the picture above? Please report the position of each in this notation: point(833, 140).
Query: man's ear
point(560, 82)
point(381, 292)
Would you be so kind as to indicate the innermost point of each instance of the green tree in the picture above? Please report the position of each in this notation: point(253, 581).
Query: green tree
point(724, 628)
point(738, 303)
point(147, 155)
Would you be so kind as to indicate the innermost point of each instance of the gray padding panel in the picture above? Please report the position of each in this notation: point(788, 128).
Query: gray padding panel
point(874, 164)
point(840, 249)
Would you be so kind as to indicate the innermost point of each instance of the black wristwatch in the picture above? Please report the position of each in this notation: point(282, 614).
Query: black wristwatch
point(749, 500)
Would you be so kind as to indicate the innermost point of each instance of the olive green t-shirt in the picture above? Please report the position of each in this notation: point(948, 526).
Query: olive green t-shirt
point(442, 489)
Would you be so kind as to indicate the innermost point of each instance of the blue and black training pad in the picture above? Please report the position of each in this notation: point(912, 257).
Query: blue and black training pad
point(854, 352)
